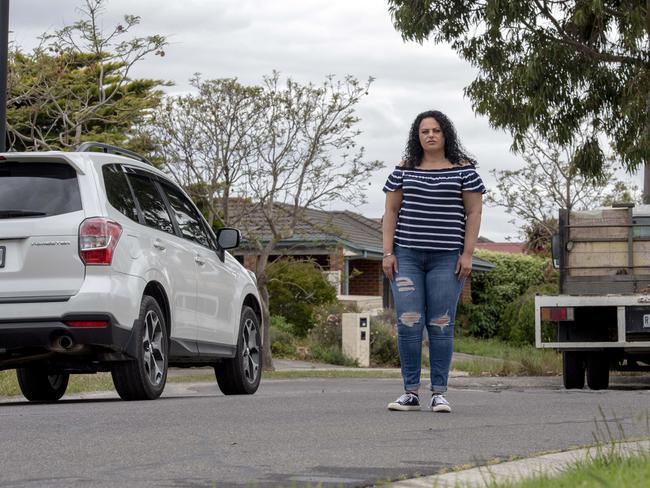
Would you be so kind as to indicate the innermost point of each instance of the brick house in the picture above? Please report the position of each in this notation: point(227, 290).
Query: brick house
point(347, 246)
point(507, 247)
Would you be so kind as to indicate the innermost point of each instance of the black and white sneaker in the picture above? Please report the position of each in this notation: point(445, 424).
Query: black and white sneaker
point(408, 401)
point(439, 404)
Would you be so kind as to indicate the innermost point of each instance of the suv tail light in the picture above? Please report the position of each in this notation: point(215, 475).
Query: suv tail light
point(97, 240)
point(87, 323)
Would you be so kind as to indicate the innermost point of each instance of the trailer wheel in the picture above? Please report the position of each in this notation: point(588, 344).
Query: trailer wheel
point(598, 371)
point(573, 370)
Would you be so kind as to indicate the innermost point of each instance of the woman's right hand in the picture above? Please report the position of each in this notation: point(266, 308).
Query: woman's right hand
point(389, 264)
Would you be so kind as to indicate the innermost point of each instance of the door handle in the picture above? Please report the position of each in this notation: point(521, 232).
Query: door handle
point(158, 245)
point(199, 260)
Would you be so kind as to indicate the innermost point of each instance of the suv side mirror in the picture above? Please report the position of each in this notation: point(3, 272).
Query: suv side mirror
point(228, 238)
point(556, 250)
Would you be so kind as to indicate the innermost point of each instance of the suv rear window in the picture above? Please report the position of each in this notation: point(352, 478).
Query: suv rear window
point(37, 189)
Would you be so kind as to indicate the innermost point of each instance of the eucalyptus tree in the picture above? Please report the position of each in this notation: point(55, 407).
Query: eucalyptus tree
point(553, 66)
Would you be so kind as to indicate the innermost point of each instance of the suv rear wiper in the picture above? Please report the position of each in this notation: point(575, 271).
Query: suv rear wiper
point(7, 214)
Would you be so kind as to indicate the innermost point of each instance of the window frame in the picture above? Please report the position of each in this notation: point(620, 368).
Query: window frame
point(159, 182)
point(197, 215)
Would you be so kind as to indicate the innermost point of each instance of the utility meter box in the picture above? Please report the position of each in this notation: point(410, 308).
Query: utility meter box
point(356, 337)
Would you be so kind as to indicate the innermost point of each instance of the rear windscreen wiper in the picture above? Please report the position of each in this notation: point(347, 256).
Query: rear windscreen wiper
point(7, 214)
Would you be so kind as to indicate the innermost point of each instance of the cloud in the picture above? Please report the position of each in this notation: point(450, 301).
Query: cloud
point(248, 39)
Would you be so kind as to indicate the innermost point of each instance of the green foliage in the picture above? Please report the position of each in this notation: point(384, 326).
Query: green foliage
point(493, 291)
point(607, 468)
point(328, 328)
point(551, 66)
point(383, 341)
point(325, 337)
point(331, 355)
point(296, 288)
point(517, 325)
point(76, 87)
point(283, 343)
point(498, 358)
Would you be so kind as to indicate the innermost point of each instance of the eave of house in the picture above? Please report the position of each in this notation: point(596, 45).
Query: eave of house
point(326, 244)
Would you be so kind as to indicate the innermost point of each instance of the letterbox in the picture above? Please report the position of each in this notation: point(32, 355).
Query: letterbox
point(356, 337)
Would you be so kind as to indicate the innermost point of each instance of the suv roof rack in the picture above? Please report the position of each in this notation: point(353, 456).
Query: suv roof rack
point(110, 149)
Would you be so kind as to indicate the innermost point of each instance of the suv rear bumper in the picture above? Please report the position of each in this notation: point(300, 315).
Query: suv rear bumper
point(22, 339)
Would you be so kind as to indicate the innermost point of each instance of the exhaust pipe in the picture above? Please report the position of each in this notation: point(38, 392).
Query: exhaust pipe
point(63, 343)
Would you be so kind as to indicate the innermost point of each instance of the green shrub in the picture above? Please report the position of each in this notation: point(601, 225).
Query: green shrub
point(518, 322)
point(296, 288)
point(331, 355)
point(383, 345)
point(327, 331)
point(478, 319)
point(493, 291)
point(282, 341)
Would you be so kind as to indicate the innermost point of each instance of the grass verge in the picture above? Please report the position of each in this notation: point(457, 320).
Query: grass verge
point(609, 470)
point(103, 382)
point(515, 360)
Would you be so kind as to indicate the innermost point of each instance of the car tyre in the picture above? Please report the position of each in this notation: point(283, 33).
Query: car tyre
point(144, 378)
point(241, 375)
point(573, 369)
point(598, 371)
point(39, 385)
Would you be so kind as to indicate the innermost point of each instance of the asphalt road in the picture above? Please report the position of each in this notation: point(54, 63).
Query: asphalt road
point(299, 432)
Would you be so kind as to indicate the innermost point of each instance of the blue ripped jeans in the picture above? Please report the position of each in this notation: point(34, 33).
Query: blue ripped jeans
point(426, 292)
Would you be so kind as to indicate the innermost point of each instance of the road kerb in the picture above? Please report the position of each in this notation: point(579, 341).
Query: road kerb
point(513, 471)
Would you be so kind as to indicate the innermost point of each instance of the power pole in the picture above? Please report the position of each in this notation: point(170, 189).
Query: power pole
point(4, 54)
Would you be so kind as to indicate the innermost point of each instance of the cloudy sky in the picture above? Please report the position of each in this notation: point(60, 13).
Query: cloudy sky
point(306, 40)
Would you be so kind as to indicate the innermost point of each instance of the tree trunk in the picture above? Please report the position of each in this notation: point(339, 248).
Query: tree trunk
point(646, 183)
point(262, 280)
point(267, 357)
point(646, 166)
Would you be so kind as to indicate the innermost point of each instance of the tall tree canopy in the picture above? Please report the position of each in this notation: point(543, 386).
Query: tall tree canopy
point(553, 66)
point(75, 86)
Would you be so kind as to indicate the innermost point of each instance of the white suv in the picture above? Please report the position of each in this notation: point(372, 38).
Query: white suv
point(107, 265)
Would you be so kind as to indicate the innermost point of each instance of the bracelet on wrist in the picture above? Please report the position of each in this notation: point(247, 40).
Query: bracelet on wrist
point(386, 254)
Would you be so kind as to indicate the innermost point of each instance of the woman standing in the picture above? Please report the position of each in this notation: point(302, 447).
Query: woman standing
point(430, 227)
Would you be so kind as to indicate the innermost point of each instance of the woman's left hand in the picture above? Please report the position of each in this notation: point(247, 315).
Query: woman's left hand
point(464, 266)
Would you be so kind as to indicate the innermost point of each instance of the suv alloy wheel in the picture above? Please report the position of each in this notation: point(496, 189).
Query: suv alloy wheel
point(144, 378)
point(241, 375)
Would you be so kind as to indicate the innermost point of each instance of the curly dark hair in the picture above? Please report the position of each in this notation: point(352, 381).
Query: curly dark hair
point(454, 151)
